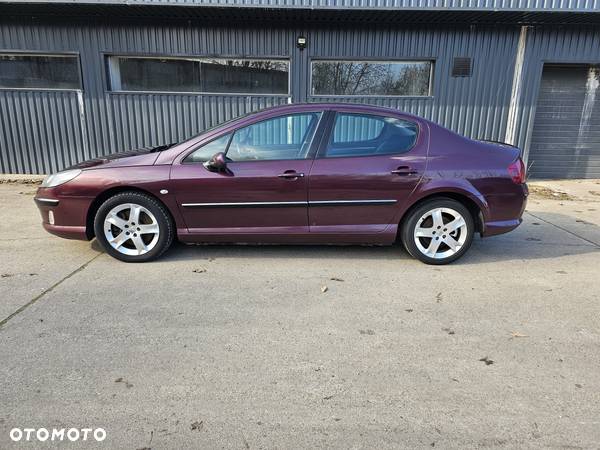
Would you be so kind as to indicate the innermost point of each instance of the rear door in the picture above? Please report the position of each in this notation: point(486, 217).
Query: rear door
point(367, 166)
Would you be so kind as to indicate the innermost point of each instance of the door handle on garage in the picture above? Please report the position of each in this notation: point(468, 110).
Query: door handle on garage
point(404, 170)
point(290, 175)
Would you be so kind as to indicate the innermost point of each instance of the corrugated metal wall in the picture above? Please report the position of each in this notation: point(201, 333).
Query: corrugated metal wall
point(43, 131)
point(489, 5)
point(46, 131)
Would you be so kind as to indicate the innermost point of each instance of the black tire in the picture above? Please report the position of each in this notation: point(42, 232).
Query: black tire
point(410, 223)
point(166, 228)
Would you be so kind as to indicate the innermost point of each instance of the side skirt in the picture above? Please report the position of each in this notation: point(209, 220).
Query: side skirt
point(290, 235)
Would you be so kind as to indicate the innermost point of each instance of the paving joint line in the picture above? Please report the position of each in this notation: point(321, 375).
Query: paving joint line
point(595, 244)
point(47, 291)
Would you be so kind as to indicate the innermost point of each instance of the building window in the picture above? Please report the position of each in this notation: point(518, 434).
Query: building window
point(365, 78)
point(244, 76)
point(29, 71)
point(150, 74)
point(213, 76)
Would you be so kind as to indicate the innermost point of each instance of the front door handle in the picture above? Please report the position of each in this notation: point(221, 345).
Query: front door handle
point(290, 175)
point(404, 170)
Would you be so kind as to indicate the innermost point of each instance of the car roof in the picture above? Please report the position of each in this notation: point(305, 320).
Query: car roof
point(349, 107)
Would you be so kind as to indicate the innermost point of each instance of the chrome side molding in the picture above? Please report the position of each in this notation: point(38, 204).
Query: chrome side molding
point(290, 204)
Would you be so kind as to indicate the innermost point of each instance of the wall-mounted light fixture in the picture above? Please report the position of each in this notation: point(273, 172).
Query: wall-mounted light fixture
point(301, 42)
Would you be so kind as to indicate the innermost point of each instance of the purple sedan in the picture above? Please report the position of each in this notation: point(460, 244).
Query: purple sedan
point(303, 173)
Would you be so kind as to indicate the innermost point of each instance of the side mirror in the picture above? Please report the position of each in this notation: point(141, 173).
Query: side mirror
point(218, 163)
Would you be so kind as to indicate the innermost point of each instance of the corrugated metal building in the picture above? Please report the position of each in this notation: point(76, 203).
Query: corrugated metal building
point(81, 79)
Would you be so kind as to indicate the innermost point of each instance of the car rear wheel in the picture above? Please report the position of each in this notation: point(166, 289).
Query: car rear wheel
point(439, 231)
point(133, 227)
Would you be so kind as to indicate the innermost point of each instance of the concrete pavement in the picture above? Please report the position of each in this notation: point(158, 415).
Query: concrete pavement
point(239, 347)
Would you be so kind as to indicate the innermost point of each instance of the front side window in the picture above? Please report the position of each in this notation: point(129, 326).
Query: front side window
point(284, 137)
point(24, 71)
point(370, 135)
point(364, 78)
point(200, 75)
point(207, 151)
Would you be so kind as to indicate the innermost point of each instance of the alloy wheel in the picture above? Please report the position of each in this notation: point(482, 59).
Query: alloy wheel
point(131, 229)
point(440, 233)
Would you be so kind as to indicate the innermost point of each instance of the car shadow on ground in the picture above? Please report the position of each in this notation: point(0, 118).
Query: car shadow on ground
point(530, 241)
point(482, 250)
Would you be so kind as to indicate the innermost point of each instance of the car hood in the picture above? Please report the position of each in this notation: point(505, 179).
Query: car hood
point(139, 157)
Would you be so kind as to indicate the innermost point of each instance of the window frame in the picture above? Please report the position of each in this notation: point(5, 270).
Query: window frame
point(328, 136)
point(358, 60)
point(313, 147)
point(198, 58)
point(13, 52)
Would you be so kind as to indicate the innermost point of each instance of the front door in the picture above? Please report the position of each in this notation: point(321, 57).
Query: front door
point(364, 172)
point(263, 190)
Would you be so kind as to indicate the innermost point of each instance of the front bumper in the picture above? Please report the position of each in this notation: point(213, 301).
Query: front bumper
point(67, 232)
point(63, 216)
point(40, 201)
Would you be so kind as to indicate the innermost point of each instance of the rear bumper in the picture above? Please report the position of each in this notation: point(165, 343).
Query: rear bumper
point(500, 227)
point(507, 211)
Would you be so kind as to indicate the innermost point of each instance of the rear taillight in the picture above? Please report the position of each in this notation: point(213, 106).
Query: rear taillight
point(517, 171)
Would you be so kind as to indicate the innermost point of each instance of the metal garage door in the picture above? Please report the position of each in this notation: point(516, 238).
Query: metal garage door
point(566, 133)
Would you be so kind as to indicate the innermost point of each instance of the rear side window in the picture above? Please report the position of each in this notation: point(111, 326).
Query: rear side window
point(370, 135)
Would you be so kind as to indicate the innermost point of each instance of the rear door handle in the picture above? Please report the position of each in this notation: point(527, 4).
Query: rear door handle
point(404, 170)
point(290, 174)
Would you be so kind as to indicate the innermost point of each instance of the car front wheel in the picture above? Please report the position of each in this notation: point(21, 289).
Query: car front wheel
point(439, 231)
point(133, 227)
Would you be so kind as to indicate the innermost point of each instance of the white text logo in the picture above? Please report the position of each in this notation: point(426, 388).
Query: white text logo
point(57, 434)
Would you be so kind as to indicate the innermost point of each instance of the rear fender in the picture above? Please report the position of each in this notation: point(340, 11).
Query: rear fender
point(458, 186)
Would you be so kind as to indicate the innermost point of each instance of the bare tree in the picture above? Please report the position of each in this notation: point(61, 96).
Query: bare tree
point(365, 78)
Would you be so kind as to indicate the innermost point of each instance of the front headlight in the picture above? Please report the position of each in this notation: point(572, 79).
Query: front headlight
point(60, 178)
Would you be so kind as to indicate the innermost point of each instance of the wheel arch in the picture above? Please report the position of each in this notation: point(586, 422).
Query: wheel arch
point(108, 193)
point(475, 207)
